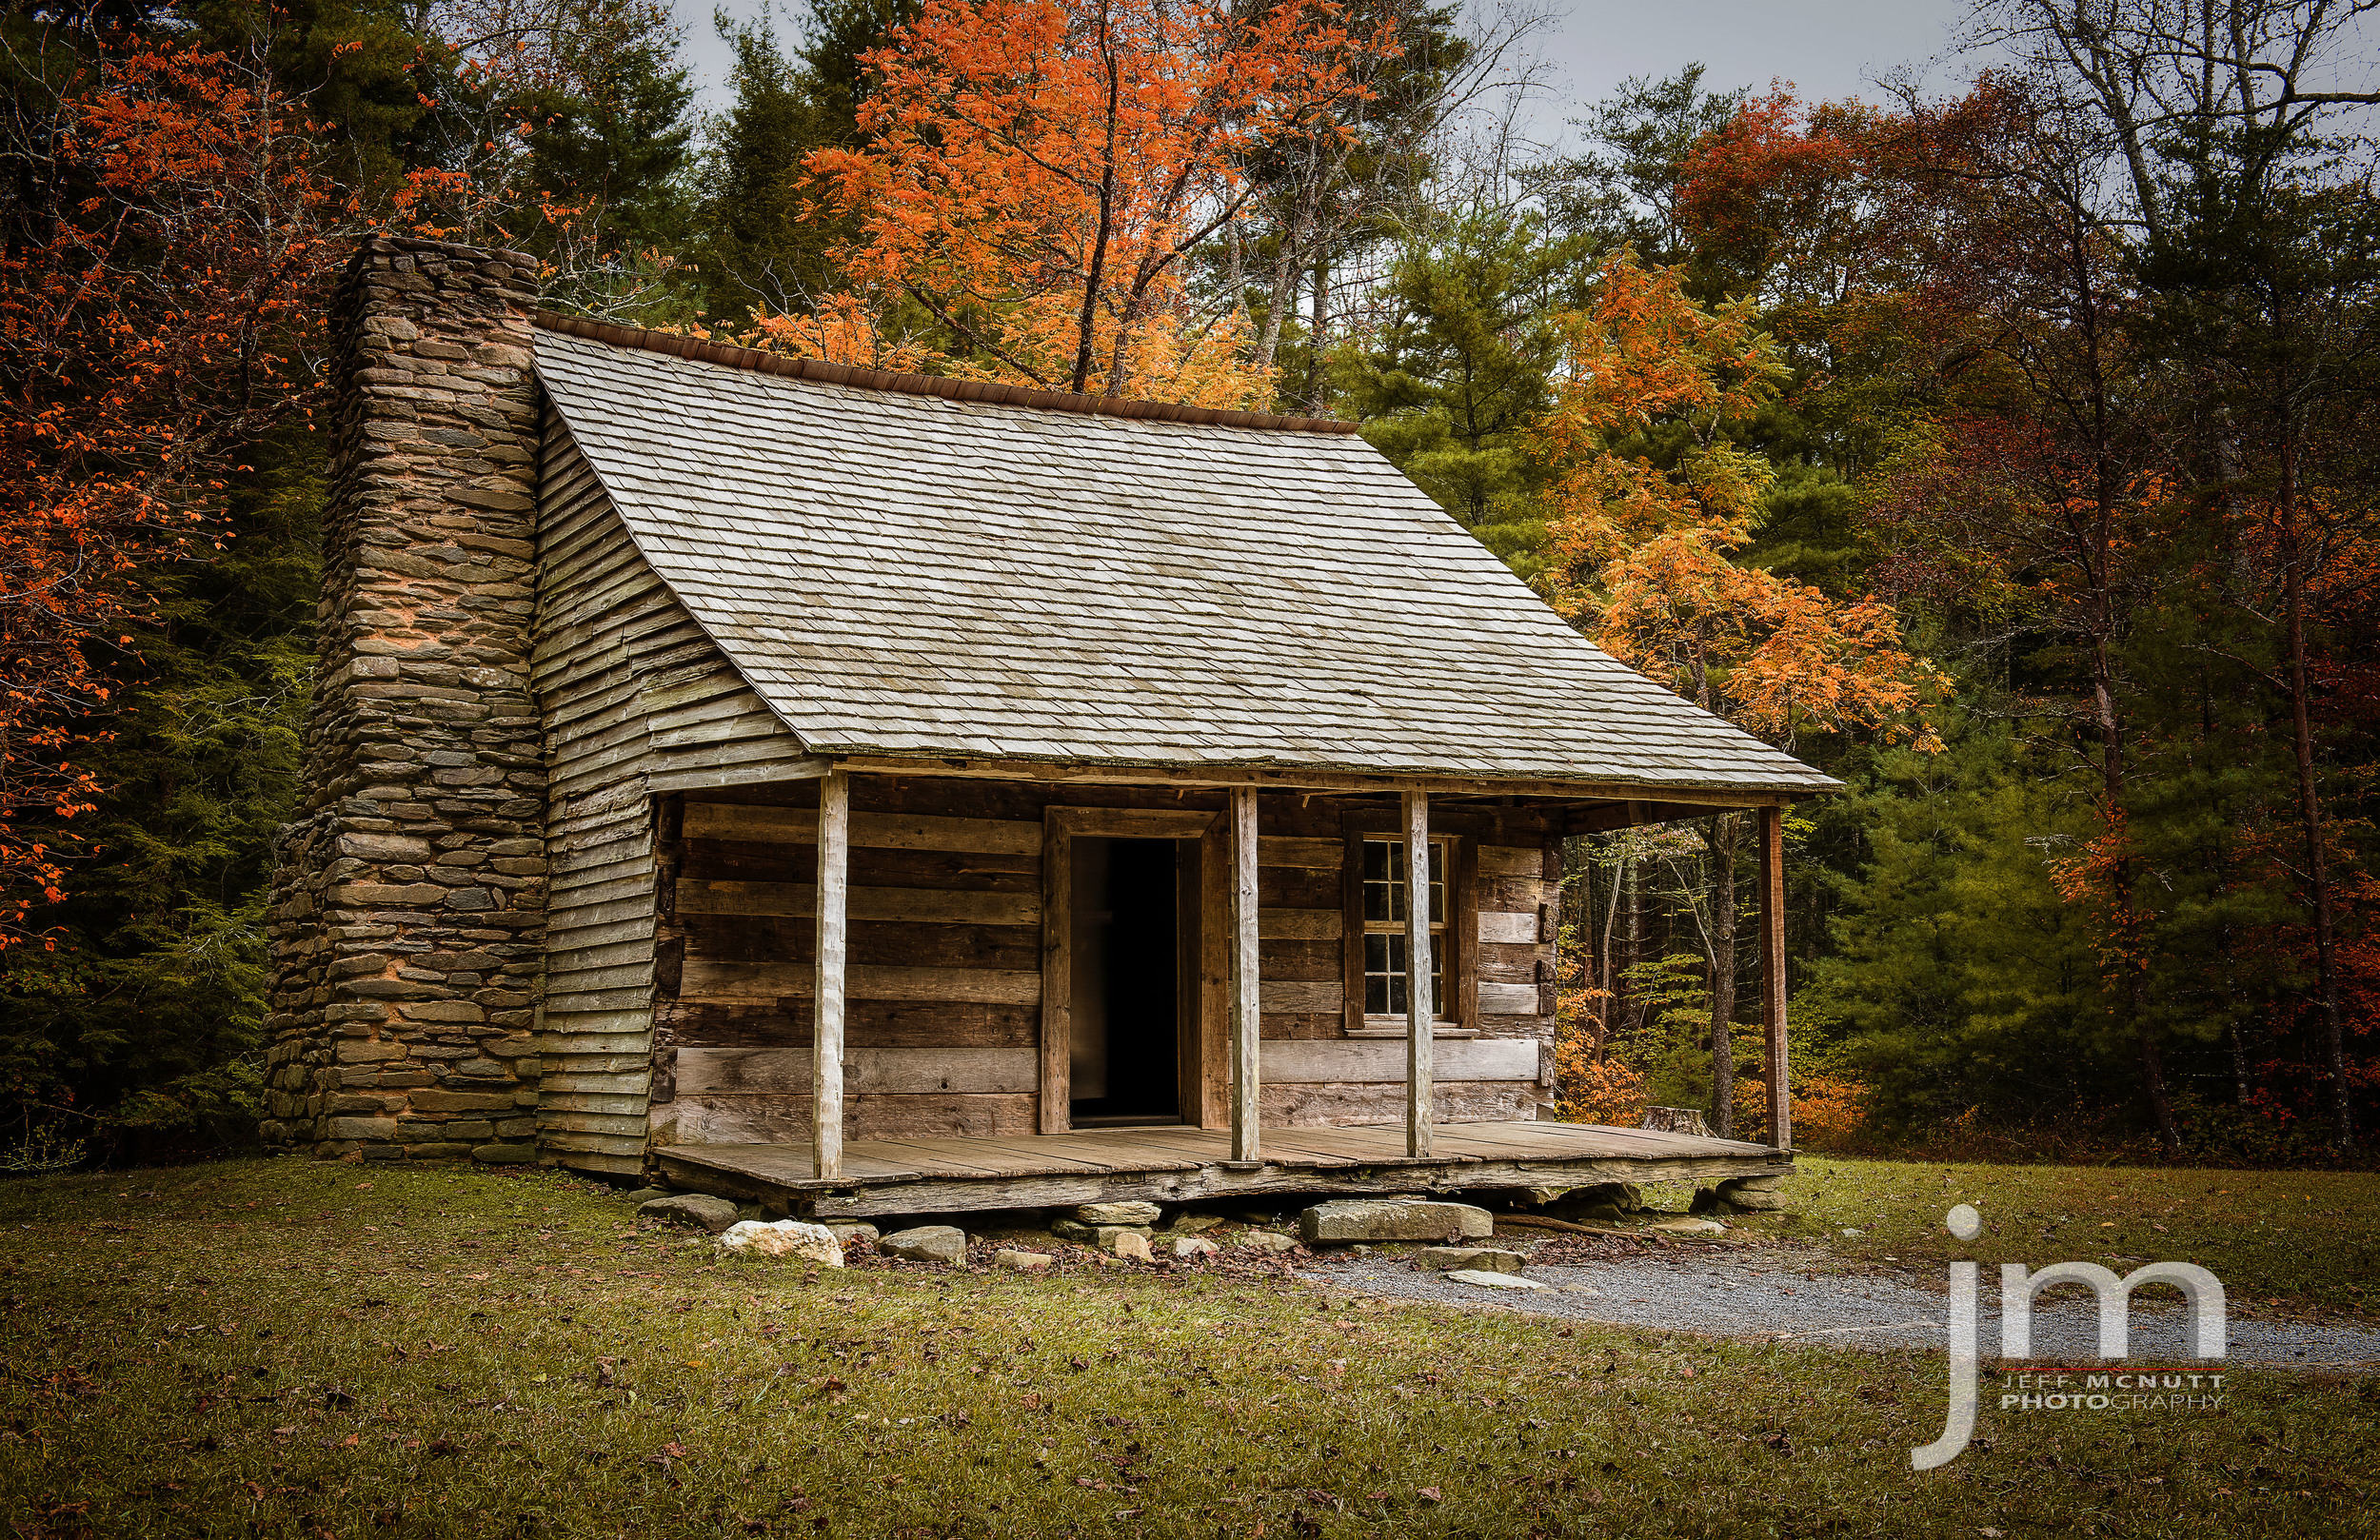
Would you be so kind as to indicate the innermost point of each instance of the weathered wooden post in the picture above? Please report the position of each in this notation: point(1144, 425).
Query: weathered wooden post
point(1773, 974)
point(1246, 1004)
point(1420, 1004)
point(833, 870)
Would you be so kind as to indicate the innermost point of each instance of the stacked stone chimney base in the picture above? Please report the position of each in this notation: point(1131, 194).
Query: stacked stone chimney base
point(407, 924)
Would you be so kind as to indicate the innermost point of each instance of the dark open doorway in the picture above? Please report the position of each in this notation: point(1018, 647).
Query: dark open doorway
point(1127, 945)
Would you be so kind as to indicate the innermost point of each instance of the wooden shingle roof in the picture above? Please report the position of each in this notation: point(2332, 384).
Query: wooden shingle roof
point(913, 574)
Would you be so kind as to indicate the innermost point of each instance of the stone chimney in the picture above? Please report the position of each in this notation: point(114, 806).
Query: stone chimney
point(407, 921)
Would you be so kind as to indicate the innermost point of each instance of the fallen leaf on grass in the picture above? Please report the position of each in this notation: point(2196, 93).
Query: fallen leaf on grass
point(1429, 1495)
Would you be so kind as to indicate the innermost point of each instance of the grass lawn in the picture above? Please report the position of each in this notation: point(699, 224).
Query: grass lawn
point(2294, 1243)
point(292, 1349)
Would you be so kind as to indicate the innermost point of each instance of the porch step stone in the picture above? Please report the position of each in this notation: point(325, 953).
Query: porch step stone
point(1474, 1258)
point(1117, 1214)
point(1740, 1196)
point(1605, 1200)
point(713, 1213)
point(927, 1243)
point(1102, 1236)
point(1492, 1280)
point(1343, 1220)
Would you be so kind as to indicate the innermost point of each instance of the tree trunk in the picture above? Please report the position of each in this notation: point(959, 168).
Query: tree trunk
point(1084, 323)
point(1318, 327)
point(1632, 1019)
point(2120, 884)
point(1721, 837)
point(1284, 289)
point(2310, 813)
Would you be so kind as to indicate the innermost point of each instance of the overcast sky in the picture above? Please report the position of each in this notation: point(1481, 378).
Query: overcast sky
point(1829, 49)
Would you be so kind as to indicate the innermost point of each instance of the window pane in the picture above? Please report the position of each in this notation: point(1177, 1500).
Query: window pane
point(1384, 991)
point(1385, 880)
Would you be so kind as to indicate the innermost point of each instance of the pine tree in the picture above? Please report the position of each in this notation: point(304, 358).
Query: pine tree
point(768, 237)
point(1450, 387)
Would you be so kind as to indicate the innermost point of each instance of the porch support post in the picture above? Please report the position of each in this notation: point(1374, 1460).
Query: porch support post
point(1773, 974)
point(833, 872)
point(1242, 979)
point(1420, 1008)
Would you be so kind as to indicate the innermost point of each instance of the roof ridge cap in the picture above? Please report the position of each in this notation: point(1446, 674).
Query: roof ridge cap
point(704, 349)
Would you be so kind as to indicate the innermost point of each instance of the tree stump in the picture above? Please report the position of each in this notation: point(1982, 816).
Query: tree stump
point(1676, 1121)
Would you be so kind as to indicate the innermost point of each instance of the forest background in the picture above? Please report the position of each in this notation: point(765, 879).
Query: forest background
point(2006, 452)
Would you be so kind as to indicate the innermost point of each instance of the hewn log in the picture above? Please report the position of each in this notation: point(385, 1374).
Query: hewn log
point(1384, 1061)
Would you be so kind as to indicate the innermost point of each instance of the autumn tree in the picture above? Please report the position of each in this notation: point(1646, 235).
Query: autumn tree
point(165, 268)
point(1653, 496)
point(2273, 296)
point(1037, 173)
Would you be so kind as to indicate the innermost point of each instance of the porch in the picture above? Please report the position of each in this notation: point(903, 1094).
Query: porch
point(1184, 1165)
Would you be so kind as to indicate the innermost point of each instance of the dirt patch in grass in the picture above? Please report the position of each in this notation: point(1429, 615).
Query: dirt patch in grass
point(293, 1348)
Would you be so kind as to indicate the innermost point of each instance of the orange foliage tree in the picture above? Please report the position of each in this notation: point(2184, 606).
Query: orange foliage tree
point(170, 258)
point(1642, 553)
point(1036, 172)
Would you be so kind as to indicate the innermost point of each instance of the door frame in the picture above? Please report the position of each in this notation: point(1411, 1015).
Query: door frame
point(1200, 1093)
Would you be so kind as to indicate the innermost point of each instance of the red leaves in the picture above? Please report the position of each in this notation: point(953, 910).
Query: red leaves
point(1037, 172)
point(1645, 550)
point(152, 330)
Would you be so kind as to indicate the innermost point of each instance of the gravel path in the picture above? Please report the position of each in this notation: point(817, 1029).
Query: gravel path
point(1764, 1294)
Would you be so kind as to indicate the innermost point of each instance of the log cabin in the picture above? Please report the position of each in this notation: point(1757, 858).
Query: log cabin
point(873, 794)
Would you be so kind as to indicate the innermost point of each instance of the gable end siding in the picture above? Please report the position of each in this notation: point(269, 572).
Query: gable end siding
point(630, 690)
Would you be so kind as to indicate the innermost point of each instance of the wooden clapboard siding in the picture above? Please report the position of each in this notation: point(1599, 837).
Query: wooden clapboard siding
point(627, 685)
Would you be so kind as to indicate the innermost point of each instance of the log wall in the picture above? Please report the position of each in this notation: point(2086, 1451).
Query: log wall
point(637, 701)
point(945, 945)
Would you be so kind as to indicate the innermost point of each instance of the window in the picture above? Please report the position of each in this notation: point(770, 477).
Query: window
point(1384, 892)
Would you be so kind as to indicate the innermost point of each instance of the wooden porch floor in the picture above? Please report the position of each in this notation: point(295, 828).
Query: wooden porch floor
point(1178, 1165)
